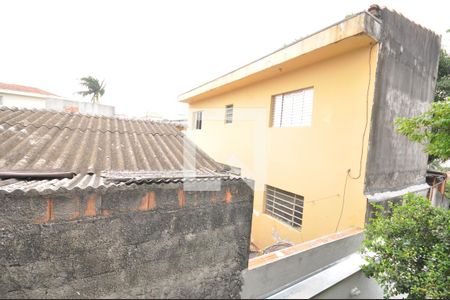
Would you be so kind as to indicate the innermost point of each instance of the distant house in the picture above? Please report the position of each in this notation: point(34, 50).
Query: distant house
point(312, 123)
point(101, 207)
point(14, 95)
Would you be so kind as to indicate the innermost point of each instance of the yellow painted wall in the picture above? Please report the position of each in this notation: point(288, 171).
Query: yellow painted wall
point(309, 161)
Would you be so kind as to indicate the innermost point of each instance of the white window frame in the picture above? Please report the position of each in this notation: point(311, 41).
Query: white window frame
point(197, 120)
point(229, 109)
point(293, 109)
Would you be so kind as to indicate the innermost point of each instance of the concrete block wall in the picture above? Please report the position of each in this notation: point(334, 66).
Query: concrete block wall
point(404, 87)
point(147, 241)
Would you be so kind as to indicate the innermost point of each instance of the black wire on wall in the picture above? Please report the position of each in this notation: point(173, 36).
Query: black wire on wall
point(366, 123)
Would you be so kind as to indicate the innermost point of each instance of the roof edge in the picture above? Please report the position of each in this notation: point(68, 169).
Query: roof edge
point(29, 94)
point(118, 117)
point(366, 23)
point(44, 95)
point(36, 174)
point(85, 183)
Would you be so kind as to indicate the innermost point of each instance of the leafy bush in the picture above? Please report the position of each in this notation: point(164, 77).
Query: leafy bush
point(432, 129)
point(407, 248)
point(443, 80)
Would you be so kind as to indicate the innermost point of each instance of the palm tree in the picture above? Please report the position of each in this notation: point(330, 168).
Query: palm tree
point(94, 88)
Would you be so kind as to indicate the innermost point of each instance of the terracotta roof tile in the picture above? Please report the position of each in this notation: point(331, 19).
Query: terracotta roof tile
point(25, 89)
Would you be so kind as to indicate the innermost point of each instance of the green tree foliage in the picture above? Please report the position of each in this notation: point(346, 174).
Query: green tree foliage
point(94, 88)
point(443, 80)
point(407, 249)
point(431, 129)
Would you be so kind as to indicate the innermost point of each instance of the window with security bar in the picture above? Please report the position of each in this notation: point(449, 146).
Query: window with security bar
point(293, 109)
point(229, 114)
point(284, 205)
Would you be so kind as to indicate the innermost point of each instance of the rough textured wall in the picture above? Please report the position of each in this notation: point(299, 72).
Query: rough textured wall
point(404, 85)
point(152, 241)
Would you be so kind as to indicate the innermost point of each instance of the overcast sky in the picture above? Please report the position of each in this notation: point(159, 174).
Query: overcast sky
point(149, 52)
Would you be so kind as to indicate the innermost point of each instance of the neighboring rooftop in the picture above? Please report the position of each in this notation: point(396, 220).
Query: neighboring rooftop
point(41, 144)
point(351, 33)
point(23, 89)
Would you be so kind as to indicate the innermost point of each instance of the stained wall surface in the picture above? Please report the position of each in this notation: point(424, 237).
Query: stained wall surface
point(405, 81)
point(146, 241)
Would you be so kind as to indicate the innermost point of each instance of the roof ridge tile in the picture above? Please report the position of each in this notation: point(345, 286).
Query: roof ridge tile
point(118, 117)
point(89, 129)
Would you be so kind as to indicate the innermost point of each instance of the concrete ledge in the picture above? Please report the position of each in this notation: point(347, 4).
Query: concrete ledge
point(378, 197)
point(277, 255)
point(276, 271)
point(323, 280)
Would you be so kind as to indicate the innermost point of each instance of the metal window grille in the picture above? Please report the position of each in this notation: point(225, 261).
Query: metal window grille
point(197, 118)
point(229, 114)
point(293, 109)
point(284, 205)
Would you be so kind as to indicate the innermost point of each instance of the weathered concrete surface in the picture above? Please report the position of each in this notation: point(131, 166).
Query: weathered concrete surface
point(148, 241)
point(268, 279)
point(404, 86)
point(356, 286)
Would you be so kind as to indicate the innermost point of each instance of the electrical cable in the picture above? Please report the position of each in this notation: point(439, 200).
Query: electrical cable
point(343, 200)
point(366, 123)
point(367, 116)
point(323, 198)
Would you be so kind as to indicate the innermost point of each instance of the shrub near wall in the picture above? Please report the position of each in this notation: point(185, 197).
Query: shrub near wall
point(407, 249)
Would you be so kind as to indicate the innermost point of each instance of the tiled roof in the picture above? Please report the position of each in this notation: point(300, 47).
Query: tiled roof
point(48, 141)
point(79, 182)
point(90, 183)
point(23, 88)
